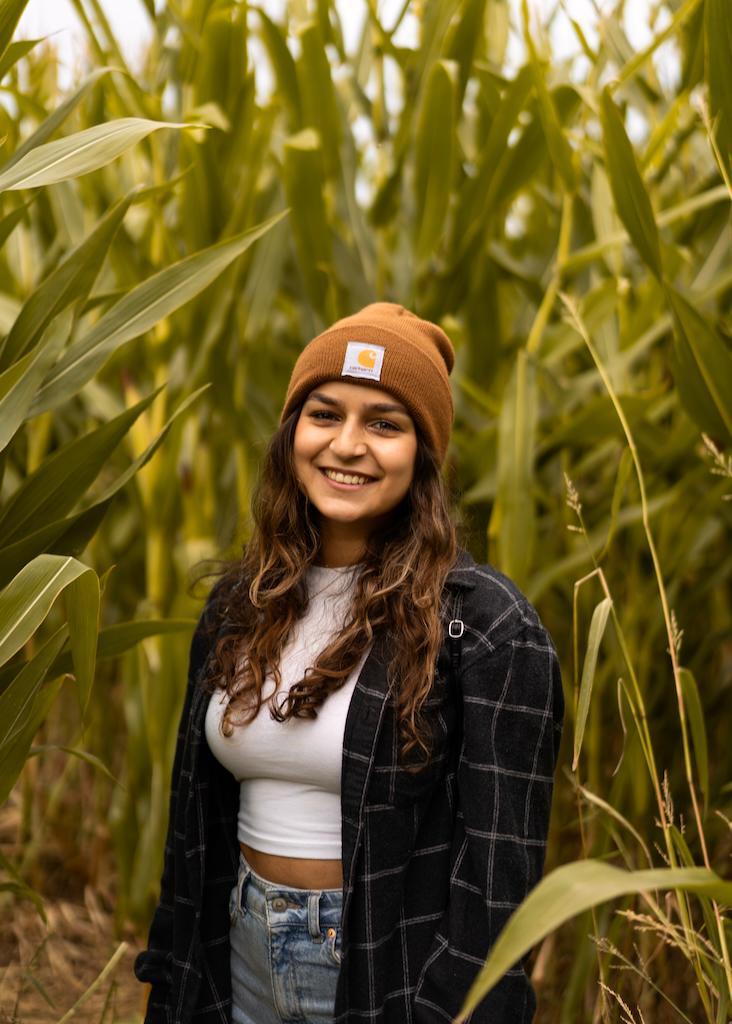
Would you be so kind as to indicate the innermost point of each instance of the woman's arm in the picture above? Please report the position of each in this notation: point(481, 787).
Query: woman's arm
point(154, 964)
point(513, 707)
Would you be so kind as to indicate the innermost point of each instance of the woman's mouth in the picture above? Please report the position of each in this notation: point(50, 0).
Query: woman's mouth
point(346, 481)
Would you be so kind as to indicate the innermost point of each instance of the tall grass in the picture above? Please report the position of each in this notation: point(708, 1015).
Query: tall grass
point(567, 221)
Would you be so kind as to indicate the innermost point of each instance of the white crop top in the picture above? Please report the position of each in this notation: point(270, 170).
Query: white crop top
point(290, 772)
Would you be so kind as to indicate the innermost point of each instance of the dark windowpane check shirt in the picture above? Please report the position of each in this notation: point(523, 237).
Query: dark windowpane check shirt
point(434, 863)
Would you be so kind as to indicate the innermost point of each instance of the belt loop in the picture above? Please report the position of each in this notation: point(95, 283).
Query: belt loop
point(244, 873)
point(313, 914)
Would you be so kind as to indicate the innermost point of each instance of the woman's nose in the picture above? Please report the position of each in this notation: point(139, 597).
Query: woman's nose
point(348, 441)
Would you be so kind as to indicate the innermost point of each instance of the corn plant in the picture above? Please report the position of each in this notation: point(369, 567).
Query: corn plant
point(567, 222)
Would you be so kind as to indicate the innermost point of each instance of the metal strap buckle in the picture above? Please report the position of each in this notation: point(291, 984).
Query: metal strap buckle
point(456, 622)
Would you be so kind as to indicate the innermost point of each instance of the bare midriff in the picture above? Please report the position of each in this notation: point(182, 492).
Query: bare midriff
point(300, 872)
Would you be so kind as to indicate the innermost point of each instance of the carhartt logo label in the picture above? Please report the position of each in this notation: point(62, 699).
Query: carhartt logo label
point(363, 360)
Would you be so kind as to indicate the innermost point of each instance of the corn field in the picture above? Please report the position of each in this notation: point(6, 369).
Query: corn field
point(171, 237)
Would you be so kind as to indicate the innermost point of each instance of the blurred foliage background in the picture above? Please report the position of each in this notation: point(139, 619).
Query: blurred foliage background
point(171, 238)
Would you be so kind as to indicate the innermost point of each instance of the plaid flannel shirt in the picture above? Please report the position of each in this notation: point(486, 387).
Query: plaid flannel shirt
point(434, 863)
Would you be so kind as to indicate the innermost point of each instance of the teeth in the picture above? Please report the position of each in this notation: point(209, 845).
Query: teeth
point(345, 478)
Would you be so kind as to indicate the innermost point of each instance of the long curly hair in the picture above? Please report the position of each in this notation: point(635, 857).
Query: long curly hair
point(398, 587)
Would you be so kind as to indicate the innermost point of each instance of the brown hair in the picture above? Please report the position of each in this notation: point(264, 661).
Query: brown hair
point(398, 587)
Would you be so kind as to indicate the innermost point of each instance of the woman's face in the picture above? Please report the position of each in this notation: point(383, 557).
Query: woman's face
point(354, 429)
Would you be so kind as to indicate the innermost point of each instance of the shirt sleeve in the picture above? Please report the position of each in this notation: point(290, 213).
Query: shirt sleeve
point(154, 964)
point(512, 715)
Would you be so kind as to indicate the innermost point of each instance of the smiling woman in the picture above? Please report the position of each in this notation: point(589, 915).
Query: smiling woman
point(350, 826)
point(354, 466)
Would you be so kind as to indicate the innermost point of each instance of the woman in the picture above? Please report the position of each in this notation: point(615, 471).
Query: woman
point(363, 776)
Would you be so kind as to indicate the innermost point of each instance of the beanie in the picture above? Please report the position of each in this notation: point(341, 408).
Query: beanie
point(384, 345)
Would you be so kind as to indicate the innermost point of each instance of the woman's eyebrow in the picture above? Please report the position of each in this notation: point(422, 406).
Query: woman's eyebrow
point(368, 406)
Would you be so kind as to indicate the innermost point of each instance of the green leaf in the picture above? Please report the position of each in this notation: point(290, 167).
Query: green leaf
point(597, 630)
point(513, 521)
point(695, 714)
point(463, 41)
point(10, 12)
point(631, 199)
point(82, 611)
point(71, 535)
point(14, 53)
point(68, 536)
point(434, 155)
point(703, 367)
point(320, 104)
point(473, 200)
point(140, 310)
point(608, 226)
point(718, 38)
point(27, 599)
point(283, 66)
point(16, 700)
point(61, 479)
point(9, 223)
point(23, 706)
point(54, 121)
point(122, 636)
point(83, 755)
point(71, 280)
point(80, 153)
point(625, 470)
point(19, 384)
point(569, 890)
point(559, 149)
point(303, 177)
point(112, 641)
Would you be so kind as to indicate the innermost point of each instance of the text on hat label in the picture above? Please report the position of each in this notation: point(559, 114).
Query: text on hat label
point(363, 360)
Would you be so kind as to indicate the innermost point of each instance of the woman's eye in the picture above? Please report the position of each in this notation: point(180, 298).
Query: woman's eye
point(381, 424)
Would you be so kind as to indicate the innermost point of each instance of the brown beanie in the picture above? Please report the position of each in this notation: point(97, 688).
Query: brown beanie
point(386, 346)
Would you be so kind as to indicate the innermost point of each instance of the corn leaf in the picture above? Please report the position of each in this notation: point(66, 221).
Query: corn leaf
point(320, 104)
point(513, 522)
point(23, 707)
point(695, 713)
point(631, 199)
point(597, 631)
point(283, 66)
point(82, 610)
point(20, 382)
point(71, 280)
point(14, 53)
point(703, 367)
point(303, 176)
point(463, 41)
point(718, 39)
point(54, 121)
point(434, 155)
point(139, 310)
point(27, 599)
point(568, 891)
point(61, 479)
point(10, 12)
point(80, 153)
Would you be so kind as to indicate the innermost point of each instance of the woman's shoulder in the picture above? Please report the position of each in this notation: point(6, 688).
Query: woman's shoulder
point(494, 608)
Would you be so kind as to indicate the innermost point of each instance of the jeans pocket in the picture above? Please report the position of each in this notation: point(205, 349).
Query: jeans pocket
point(233, 905)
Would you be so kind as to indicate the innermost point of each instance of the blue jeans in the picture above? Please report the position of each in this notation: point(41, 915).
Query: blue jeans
point(285, 951)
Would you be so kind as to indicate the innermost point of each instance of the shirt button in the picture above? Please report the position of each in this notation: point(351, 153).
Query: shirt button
point(278, 903)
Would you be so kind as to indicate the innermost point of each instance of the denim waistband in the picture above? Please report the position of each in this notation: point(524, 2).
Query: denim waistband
point(277, 904)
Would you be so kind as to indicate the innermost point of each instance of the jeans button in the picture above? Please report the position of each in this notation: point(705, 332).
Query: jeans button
point(278, 903)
